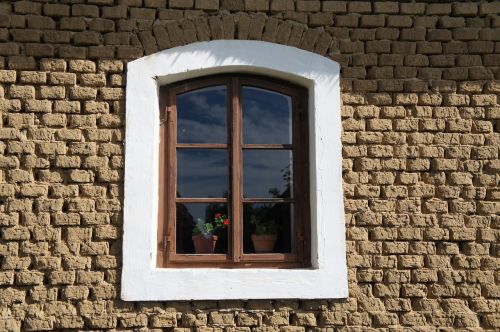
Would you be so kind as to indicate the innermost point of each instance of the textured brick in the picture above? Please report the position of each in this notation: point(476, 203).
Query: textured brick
point(420, 110)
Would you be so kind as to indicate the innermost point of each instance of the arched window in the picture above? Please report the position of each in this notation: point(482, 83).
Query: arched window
point(172, 88)
point(234, 175)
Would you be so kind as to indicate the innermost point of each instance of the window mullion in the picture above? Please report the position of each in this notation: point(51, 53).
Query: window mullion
point(236, 171)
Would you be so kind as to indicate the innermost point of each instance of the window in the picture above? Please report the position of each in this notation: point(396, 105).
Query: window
point(143, 279)
point(234, 147)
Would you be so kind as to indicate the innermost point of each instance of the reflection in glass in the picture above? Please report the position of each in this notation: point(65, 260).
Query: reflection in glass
point(202, 115)
point(267, 116)
point(187, 213)
point(267, 173)
point(279, 214)
point(202, 173)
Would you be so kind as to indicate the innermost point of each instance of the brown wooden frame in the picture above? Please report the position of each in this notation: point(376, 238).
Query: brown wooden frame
point(235, 258)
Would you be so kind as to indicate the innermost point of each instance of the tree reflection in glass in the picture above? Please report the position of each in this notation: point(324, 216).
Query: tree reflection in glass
point(267, 173)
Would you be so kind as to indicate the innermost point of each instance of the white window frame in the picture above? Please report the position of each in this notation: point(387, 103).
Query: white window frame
point(141, 279)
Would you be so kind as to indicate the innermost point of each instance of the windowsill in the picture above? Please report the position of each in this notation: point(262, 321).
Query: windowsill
point(219, 284)
point(141, 280)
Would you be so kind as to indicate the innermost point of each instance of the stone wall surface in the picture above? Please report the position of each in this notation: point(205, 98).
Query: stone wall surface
point(421, 119)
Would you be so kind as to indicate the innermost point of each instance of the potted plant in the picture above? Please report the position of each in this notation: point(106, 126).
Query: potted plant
point(264, 235)
point(203, 237)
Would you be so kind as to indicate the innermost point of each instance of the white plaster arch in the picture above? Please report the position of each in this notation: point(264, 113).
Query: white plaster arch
point(141, 279)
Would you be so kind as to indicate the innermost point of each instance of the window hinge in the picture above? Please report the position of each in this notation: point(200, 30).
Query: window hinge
point(170, 111)
point(166, 243)
point(301, 113)
point(167, 115)
point(303, 242)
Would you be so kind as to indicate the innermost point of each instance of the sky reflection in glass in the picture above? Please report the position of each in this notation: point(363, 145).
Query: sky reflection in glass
point(202, 115)
point(202, 173)
point(267, 116)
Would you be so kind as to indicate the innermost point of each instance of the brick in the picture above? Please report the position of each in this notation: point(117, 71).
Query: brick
point(86, 38)
point(7, 76)
point(52, 65)
point(85, 10)
point(363, 7)
point(155, 3)
point(464, 9)
point(28, 7)
point(82, 93)
point(412, 8)
point(426, 21)
point(101, 52)
point(115, 12)
point(164, 320)
point(181, 4)
point(40, 22)
point(38, 106)
point(72, 23)
point(307, 6)
point(59, 37)
point(385, 8)
point(489, 8)
point(22, 62)
point(9, 49)
point(22, 92)
point(52, 92)
point(347, 21)
point(372, 21)
point(282, 5)
point(74, 52)
point(142, 13)
point(56, 10)
point(438, 9)
point(64, 106)
point(111, 93)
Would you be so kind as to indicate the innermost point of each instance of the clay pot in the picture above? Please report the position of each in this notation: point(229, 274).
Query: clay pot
point(203, 245)
point(263, 243)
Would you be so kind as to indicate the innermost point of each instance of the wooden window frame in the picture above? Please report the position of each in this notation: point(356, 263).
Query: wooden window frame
point(235, 258)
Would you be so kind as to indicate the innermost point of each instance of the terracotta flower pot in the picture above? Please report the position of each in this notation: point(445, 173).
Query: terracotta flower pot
point(264, 243)
point(203, 245)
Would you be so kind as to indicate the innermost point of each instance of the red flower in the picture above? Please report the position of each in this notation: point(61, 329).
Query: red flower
point(218, 215)
point(226, 221)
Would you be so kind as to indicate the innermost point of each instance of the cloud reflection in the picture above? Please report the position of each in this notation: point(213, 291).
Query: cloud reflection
point(202, 173)
point(266, 116)
point(202, 115)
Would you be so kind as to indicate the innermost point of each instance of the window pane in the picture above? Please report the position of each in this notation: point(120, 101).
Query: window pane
point(267, 117)
point(268, 219)
point(202, 173)
point(267, 173)
point(202, 115)
point(188, 215)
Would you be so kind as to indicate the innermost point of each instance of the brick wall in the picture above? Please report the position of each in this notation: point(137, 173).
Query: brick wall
point(421, 118)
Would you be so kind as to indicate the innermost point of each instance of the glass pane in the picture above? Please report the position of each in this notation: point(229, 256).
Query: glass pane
point(189, 215)
point(202, 115)
point(267, 173)
point(202, 173)
point(268, 228)
point(267, 117)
